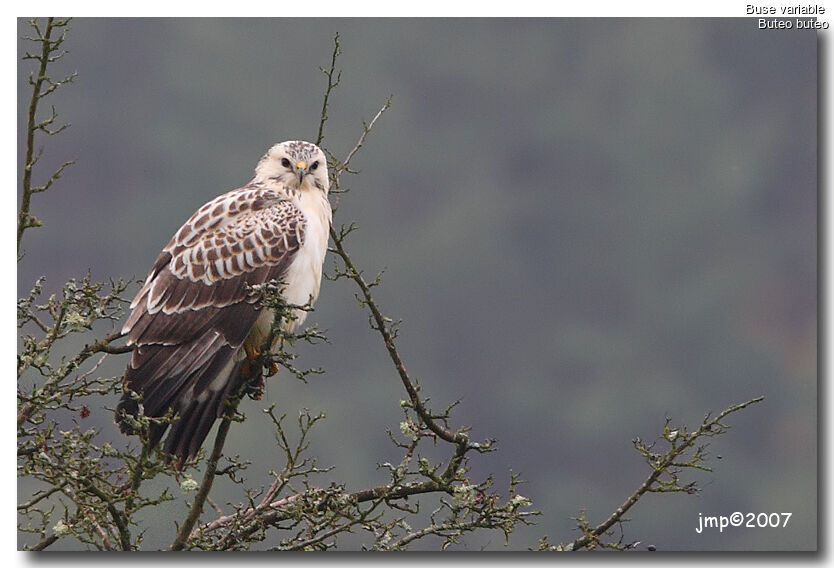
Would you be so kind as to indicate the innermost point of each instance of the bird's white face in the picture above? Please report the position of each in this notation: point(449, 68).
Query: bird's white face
point(296, 164)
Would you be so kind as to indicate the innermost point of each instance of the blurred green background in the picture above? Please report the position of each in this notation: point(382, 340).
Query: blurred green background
point(586, 225)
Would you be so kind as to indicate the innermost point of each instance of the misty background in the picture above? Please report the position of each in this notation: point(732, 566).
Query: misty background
point(585, 225)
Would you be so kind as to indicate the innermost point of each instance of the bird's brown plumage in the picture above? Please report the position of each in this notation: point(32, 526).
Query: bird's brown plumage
point(196, 311)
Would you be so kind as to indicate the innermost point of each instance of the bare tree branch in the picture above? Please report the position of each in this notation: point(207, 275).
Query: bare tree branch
point(42, 85)
point(680, 441)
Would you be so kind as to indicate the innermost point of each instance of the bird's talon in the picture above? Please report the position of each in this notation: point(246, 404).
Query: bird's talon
point(255, 389)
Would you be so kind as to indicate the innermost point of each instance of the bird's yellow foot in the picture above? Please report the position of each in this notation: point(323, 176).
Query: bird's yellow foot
point(253, 375)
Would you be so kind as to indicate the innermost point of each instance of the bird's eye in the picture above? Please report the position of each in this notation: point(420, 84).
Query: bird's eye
point(285, 162)
point(314, 166)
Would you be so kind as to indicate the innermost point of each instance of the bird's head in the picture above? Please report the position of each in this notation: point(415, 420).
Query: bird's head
point(296, 164)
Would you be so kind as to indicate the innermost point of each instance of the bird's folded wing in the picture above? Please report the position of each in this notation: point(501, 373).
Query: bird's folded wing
point(196, 308)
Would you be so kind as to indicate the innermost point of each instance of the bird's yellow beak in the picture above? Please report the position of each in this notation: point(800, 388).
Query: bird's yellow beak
point(301, 170)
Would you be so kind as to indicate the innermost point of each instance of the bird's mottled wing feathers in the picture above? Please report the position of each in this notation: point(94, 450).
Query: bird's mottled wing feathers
point(195, 309)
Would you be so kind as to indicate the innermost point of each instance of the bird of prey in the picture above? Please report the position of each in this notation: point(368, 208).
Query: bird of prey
point(196, 327)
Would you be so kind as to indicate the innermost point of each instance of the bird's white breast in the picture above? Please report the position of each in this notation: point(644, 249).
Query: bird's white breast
point(303, 276)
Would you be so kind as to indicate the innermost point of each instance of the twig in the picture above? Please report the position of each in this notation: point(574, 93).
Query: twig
point(271, 512)
point(39, 497)
point(208, 478)
point(136, 476)
point(118, 517)
point(92, 369)
point(44, 542)
point(382, 326)
point(366, 128)
point(214, 506)
point(331, 84)
point(98, 346)
point(708, 428)
point(42, 86)
point(434, 529)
